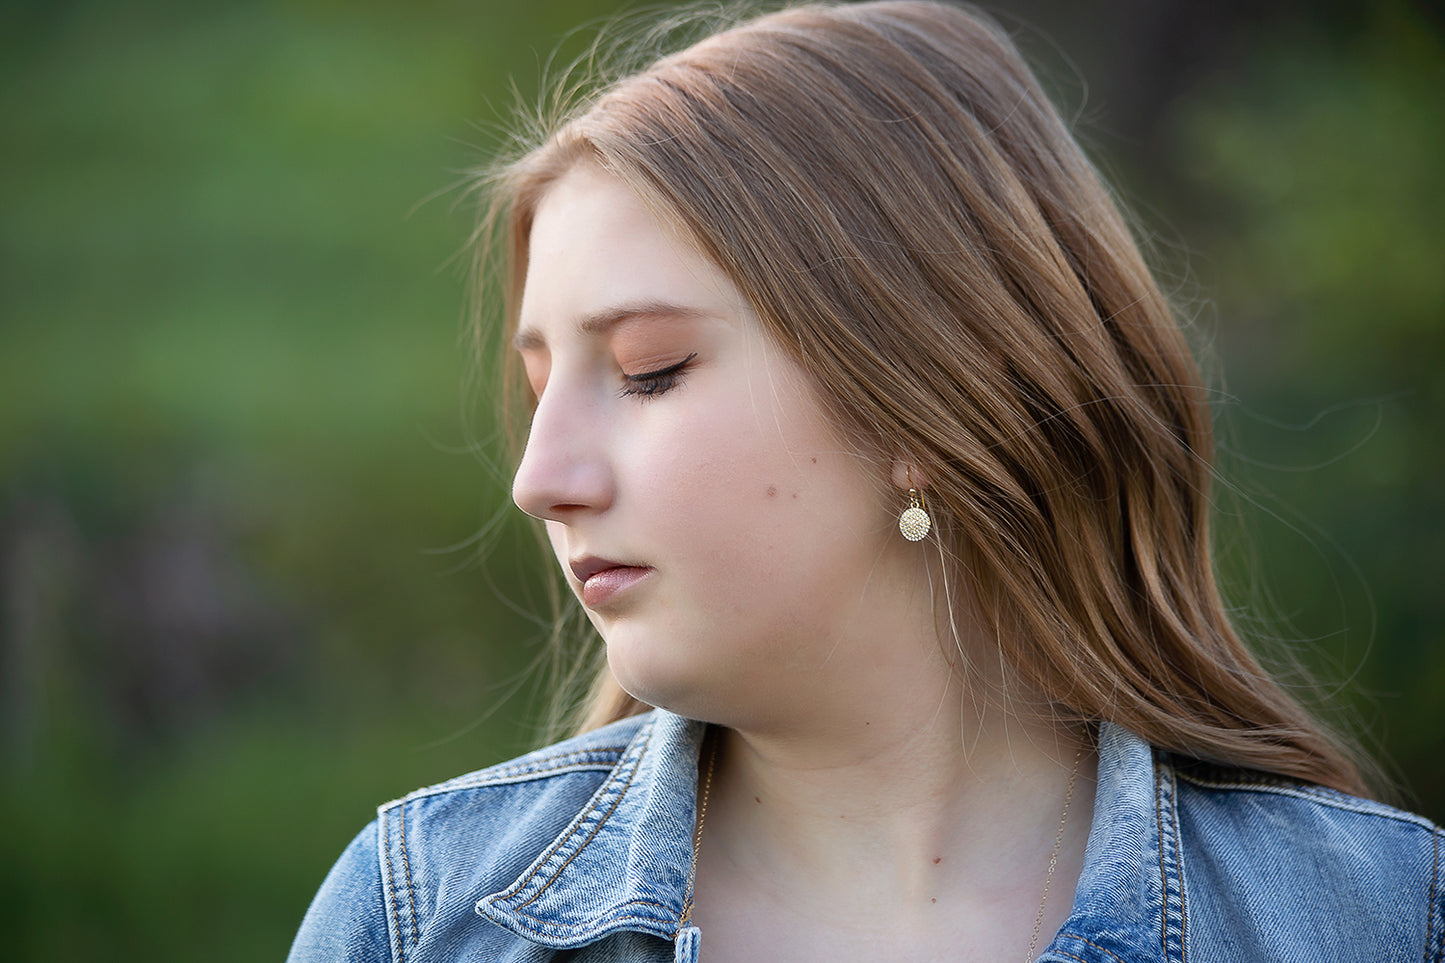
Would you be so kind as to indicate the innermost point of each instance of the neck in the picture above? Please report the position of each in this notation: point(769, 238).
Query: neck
point(894, 802)
point(924, 826)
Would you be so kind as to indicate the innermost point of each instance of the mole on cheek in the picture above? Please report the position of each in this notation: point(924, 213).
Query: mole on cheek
point(772, 491)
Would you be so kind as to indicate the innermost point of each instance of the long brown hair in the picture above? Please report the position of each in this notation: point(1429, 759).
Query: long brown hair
point(911, 219)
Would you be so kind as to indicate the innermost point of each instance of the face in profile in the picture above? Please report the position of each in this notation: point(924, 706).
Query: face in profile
point(728, 544)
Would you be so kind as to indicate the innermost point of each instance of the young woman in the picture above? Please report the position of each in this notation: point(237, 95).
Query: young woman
point(871, 449)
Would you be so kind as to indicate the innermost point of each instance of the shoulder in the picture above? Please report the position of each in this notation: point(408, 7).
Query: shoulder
point(346, 921)
point(582, 760)
point(1236, 807)
point(1265, 858)
point(428, 856)
point(470, 819)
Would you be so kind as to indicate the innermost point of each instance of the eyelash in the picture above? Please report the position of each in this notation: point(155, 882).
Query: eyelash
point(650, 384)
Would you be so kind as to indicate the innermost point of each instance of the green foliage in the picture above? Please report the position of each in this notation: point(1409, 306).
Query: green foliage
point(1318, 199)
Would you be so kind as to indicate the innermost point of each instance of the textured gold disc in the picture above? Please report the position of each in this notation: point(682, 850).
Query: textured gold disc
point(914, 523)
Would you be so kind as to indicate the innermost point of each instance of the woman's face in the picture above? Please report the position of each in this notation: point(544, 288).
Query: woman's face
point(725, 541)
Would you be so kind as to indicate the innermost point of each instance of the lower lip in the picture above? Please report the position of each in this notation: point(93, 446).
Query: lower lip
point(606, 585)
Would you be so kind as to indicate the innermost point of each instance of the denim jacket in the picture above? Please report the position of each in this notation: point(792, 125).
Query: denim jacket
point(581, 852)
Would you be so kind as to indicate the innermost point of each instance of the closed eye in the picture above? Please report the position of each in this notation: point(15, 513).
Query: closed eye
point(650, 384)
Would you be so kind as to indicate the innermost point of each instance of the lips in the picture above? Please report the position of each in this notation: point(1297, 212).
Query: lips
point(604, 580)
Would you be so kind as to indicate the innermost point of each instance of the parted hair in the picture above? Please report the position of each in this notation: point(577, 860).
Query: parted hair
point(914, 223)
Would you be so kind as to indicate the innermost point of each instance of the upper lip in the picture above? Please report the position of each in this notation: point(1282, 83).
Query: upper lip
point(586, 566)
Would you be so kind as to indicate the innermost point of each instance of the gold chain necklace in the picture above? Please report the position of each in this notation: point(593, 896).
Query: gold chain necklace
point(712, 739)
point(1054, 855)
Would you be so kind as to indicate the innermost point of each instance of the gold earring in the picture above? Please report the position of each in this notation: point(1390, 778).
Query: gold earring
point(914, 523)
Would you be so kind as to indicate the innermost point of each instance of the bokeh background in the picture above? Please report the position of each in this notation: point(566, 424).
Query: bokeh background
point(256, 569)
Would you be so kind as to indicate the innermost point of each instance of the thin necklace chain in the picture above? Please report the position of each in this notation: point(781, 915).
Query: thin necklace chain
point(712, 741)
point(1048, 878)
point(1054, 856)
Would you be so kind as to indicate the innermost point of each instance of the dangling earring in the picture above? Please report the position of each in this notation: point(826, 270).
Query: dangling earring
point(914, 523)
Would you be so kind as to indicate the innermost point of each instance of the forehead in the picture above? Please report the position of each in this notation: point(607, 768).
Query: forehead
point(582, 196)
point(594, 245)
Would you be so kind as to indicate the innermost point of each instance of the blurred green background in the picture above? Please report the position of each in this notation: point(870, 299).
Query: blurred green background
point(256, 568)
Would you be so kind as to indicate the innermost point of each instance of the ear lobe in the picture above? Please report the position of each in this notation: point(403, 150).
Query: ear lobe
point(907, 474)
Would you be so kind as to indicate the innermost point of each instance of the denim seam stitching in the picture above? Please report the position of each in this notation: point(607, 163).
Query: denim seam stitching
point(1163, 882)
point(1179, 871)
point(406, 865)
point(1321, 795)
point(604, 757)
point(1430, 912)
point(494, 777)
point(1088, 942)
point(595, 829)
point(526, 880)
point(510, 778)
point(395, 919)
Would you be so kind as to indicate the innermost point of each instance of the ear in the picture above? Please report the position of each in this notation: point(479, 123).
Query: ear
point(907, 474)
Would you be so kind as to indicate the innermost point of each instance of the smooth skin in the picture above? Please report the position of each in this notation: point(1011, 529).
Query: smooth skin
point(743, 564)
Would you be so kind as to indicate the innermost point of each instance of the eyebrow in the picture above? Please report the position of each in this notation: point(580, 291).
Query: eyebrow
point(602, 321)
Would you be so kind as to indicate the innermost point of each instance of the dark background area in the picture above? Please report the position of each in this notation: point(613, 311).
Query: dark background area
point(257, 567)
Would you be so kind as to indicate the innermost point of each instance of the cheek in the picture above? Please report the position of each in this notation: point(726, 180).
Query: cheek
point(741, 499)
point(732, 463)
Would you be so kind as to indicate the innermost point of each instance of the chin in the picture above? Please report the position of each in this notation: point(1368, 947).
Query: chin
point(645, 680)
point(662, 679)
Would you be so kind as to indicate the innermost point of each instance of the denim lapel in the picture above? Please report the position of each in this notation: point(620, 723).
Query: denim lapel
point(622, 864)
point(1130, 902)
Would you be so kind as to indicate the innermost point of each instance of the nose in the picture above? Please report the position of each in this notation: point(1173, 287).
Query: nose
point(564, 469)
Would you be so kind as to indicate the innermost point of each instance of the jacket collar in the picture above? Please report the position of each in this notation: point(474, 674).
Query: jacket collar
point(1129, 901)
point(622, 863)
